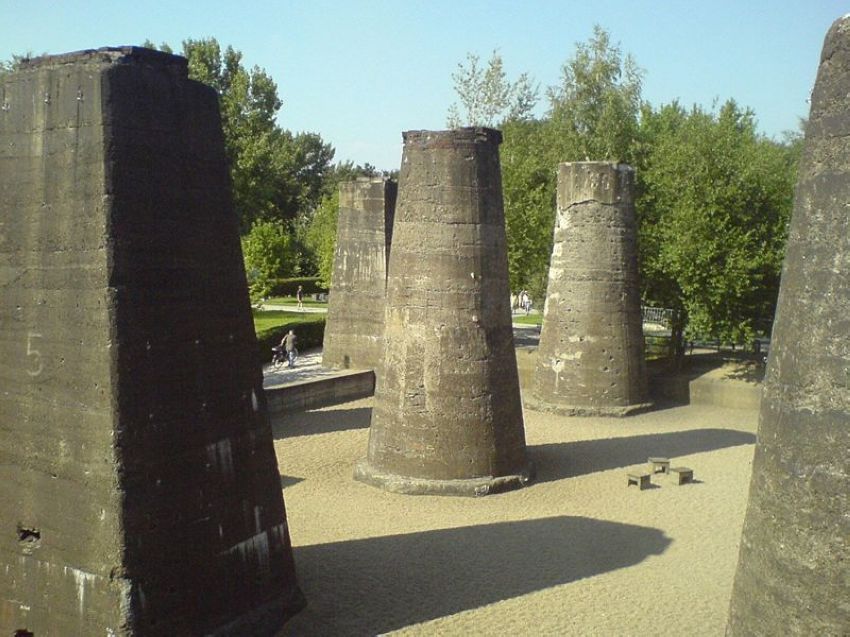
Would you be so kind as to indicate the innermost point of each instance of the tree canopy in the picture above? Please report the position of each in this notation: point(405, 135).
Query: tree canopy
point(713, 196)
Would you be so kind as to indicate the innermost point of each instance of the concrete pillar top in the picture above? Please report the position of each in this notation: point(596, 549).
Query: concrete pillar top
point(454, 138)
point(107, 55)
point(602, 181)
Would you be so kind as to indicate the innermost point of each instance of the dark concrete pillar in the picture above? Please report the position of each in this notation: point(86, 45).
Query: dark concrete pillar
point(793, 575)
point(139, 491)
point(447, 417)
point(591, 353)
point(355, 323)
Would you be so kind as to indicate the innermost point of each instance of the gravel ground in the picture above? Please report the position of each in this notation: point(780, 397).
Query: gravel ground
point(575, 553)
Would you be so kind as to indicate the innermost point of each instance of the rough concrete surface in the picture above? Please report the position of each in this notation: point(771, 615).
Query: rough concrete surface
point(448, 416)
point(793, 574)
point(355, 324)
point(576, 553)
point(591, 356)
point(138, 483)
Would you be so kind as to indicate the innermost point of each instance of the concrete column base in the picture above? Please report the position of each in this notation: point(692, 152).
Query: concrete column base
point(469, 487)
point(587, 410)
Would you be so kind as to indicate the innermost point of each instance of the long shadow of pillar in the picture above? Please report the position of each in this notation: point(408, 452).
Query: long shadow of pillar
point(447, 417)
point(793, 575)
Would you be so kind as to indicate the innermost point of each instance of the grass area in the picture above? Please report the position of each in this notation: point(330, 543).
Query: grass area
point(530, 319)
point(290, 300)
point(271, 325)
point(267, 319)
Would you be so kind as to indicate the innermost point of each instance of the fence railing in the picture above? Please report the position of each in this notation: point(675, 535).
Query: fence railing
point(661, 316)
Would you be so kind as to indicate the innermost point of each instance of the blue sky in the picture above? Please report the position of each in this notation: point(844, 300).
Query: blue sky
point(360, 72)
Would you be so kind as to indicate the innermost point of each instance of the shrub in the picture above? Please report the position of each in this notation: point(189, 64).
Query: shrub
point(266, 252)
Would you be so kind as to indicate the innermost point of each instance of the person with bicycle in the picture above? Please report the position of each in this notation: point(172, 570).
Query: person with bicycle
point(288, 344)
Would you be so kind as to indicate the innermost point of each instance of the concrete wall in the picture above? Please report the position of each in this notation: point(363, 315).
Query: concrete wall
point(447, 416)
point(792, 576)
point(139, 491)
point(355, 322)
point(591, 356)
point(312, 394)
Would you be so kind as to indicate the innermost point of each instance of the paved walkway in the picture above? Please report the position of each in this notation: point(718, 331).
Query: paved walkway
point(308, 366)
point(309, 363)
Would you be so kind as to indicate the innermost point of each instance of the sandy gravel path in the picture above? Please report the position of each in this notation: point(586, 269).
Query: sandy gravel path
point(576, 553)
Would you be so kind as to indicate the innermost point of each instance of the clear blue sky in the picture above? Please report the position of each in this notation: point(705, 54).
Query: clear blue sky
point(360, 72)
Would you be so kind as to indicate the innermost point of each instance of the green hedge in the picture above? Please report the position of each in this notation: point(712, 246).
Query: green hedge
point(288, 287)
point(310, 331)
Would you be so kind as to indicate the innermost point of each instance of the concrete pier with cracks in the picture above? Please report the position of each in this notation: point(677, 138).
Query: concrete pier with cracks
point(355, 323)
point(793, 575)
point(447, 418)
point(139, 492)
point(591, 355)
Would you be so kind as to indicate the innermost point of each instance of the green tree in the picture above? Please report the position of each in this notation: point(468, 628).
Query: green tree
point(528, 186)
point(594, 111)
point(276, 174)
point(714, 204)
point(486, 95)
point(266, 252)
point(321, 236)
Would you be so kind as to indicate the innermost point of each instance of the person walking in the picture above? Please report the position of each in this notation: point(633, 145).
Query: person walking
point(299, 296)
point(525, 301)
point(288, 343)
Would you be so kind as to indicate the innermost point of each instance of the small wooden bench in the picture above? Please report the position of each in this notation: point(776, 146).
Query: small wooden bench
point(659, 465)
point(641, 480)
point(683, 474)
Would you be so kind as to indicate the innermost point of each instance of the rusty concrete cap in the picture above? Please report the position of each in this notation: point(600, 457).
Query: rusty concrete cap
point(107, 55)
point(471, 135)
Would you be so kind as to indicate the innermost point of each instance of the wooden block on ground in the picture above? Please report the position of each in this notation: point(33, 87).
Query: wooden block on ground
point(659, 465)
point(642, 480)
point(683, 474)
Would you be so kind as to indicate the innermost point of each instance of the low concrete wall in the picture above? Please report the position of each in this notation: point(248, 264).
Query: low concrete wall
point(666, 387)
point(311, 394)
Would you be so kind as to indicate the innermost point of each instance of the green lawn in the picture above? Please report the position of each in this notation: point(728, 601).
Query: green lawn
point(290, 300)
point(267, 319)
point(531, 319)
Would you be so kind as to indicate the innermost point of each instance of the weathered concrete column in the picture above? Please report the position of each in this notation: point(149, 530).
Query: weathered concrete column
point(139, 491)
point(591, 353)
point(793, 575)
point(355, 323)
point(447, 417)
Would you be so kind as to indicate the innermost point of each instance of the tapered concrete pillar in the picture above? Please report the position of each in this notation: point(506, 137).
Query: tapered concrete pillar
point(793, 575)
point(355, 323)
point(591, 353)
point(139, 491)
point(447, 417)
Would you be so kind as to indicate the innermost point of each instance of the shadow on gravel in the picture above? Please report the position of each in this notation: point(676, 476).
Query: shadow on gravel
point(307, 423)
point(376, 585)
point(569, 459)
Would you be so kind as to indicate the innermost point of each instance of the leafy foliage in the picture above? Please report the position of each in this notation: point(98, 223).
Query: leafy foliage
point(276, 175)
point(266, 250)
point(594, 111)
point(486, 95)
point(713, 196)
point(715, 204)
point(321, 236)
